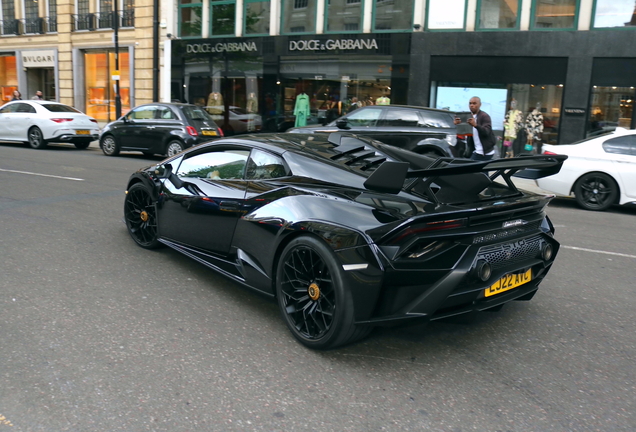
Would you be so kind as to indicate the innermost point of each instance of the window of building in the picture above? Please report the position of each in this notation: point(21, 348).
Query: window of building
point(222, 17)
point(555, 14)
point(256, 17)
point(100, 88)
point(128, 14)
point(8, 77)
point(32, 21)
point(9, 23)
point(52, 16)
point(341, 15)
point(614, 13)
point(611, 107)
point(498, 14)
point(392, 15)
point(190, 12)
point(446, 15)
point(298, 16)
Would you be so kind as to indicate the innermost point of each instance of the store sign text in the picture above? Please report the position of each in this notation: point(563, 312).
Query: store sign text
point(331, 44)
point(40, 58)
point(221, 47)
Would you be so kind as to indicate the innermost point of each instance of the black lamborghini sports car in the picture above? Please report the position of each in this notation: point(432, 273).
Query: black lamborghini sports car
point(349, 233)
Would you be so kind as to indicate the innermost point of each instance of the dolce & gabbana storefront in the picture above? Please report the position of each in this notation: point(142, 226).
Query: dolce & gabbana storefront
point(274, 83)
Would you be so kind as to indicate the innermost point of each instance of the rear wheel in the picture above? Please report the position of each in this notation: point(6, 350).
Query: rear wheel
point(174, 147)
point(82, 145)
point(141, 217)
point(36, 140)
point(312, 297)
point(109, 145)
point(595, 191)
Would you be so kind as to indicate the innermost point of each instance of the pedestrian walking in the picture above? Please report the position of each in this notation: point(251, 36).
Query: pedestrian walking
point(483, 140)
point(38, 95)
point(16, 95)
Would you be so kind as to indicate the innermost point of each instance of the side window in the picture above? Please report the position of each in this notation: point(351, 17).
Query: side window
point(401, 117)
point(434, 119)
point(364, 117)
point(8, 108)
point(264, 165)
point(143, 113)
point(165, 113)
point(621, 145)
point(24, 108)
point(215, 165)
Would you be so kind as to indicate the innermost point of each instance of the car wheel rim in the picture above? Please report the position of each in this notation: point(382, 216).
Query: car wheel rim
point(109, 145)
point(308, 293)
point(141, 216)
point(174, 148)
point(35, 137)
point(596, 192)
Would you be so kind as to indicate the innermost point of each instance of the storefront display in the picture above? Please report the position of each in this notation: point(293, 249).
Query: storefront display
point(8, 77)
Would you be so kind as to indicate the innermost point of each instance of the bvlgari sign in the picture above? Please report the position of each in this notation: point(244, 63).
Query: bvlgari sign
point(333, 44)
point(40, 58)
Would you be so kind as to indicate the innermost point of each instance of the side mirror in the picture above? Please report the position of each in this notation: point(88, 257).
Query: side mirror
point(125, 119)
point(342, 123)
point(163, 171)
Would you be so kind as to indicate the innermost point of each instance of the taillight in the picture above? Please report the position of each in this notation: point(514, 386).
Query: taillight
point(430, 226)
point(191, 131)
point(93, 120)
point(61, 120)
point(221, 132)
point(550, 153)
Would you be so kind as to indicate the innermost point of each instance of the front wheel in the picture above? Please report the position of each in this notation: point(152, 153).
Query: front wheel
point(595, 191)
point(312, 297)
point(109, 145)
point(173, 148)
point(140, 214)
point(36, 140)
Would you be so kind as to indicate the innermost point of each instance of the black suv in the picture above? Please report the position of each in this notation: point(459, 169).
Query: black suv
point(159, 128)
point(422, 130)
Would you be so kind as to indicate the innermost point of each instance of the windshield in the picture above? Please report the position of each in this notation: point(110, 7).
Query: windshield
point(196, 113)
point(60, 108)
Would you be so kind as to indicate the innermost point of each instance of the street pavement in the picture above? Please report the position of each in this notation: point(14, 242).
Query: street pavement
point(98, 334)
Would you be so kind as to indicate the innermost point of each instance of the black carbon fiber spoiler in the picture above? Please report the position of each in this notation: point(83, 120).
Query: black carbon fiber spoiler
point(390, 177)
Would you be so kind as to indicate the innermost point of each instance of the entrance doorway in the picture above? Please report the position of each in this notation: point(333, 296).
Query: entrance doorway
point(41, 79)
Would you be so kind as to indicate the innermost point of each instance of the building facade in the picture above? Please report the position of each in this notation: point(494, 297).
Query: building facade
point(66, 49)
point(572, 61)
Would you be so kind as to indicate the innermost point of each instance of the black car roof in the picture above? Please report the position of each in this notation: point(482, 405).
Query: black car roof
point(415, 107)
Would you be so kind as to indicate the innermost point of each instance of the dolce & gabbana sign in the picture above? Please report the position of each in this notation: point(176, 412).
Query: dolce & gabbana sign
point(221, 47)
point(332, 45)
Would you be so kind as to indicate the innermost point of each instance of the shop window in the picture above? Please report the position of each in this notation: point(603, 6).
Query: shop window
point(611, 107)
point(8, 77)
point(446, 15)
point(614, 14)
point(100, 88)
point(257, 14)
point(364, 117)
point(341, 15)
point(393, 15)
point(555, 14)
point(298, 16)
point(498, 14)
point(190, 12)
point(222, 17)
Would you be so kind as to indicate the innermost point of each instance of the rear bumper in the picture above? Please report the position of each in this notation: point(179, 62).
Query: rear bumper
point(71, 136)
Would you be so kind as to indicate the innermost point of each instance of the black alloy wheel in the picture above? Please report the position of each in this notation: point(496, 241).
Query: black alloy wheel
point(141, 217)
point(174, 147)
point(595, 191)
point(312, 296)
point(36, 139)
point(109, 145)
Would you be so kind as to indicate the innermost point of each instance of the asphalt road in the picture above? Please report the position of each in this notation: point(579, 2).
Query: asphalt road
point(97, 334)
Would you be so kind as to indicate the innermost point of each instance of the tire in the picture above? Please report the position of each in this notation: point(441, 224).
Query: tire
point(174, 147)
point(140, 214)
point(312, 295)
point(109, 145)
point(82, 145)
point(595, 191)
point(36, 140)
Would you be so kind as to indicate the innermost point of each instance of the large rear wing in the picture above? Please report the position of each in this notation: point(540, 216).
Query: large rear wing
point(391, 177)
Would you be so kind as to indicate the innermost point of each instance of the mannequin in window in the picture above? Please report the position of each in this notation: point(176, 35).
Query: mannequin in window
point(215, 103)
point(513, 122)
point(252, 104)
point(383, 100)
point(534, 126)
point(301, 109)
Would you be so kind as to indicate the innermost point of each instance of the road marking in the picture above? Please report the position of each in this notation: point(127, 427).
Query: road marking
point(42, 175)
point(600, 252)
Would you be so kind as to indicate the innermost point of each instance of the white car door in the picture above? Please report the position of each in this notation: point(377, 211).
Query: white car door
point(7, 125)
point(22, 119)
point(623, 150)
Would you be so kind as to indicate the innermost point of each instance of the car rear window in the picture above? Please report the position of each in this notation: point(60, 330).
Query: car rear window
point(59, 108)
point(436, 119)
point(196, 114)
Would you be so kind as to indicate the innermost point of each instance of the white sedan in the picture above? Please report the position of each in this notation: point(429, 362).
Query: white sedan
point(41, 122)
point(600, 171)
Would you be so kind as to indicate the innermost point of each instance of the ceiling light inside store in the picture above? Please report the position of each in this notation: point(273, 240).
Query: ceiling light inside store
point(613, 88)
point(629, 101)
point(560, 85)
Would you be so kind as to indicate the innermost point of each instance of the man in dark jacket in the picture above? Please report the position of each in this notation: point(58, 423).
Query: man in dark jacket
point(483, 139)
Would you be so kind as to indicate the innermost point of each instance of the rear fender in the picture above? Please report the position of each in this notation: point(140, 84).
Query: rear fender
point(433, 145)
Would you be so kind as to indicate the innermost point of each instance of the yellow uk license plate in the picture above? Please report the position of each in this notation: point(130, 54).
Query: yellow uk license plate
point(508, 282)
point(210, 133)
point(82, 132)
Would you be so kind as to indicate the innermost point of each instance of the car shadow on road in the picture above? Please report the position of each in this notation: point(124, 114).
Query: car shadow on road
point(570, 203)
